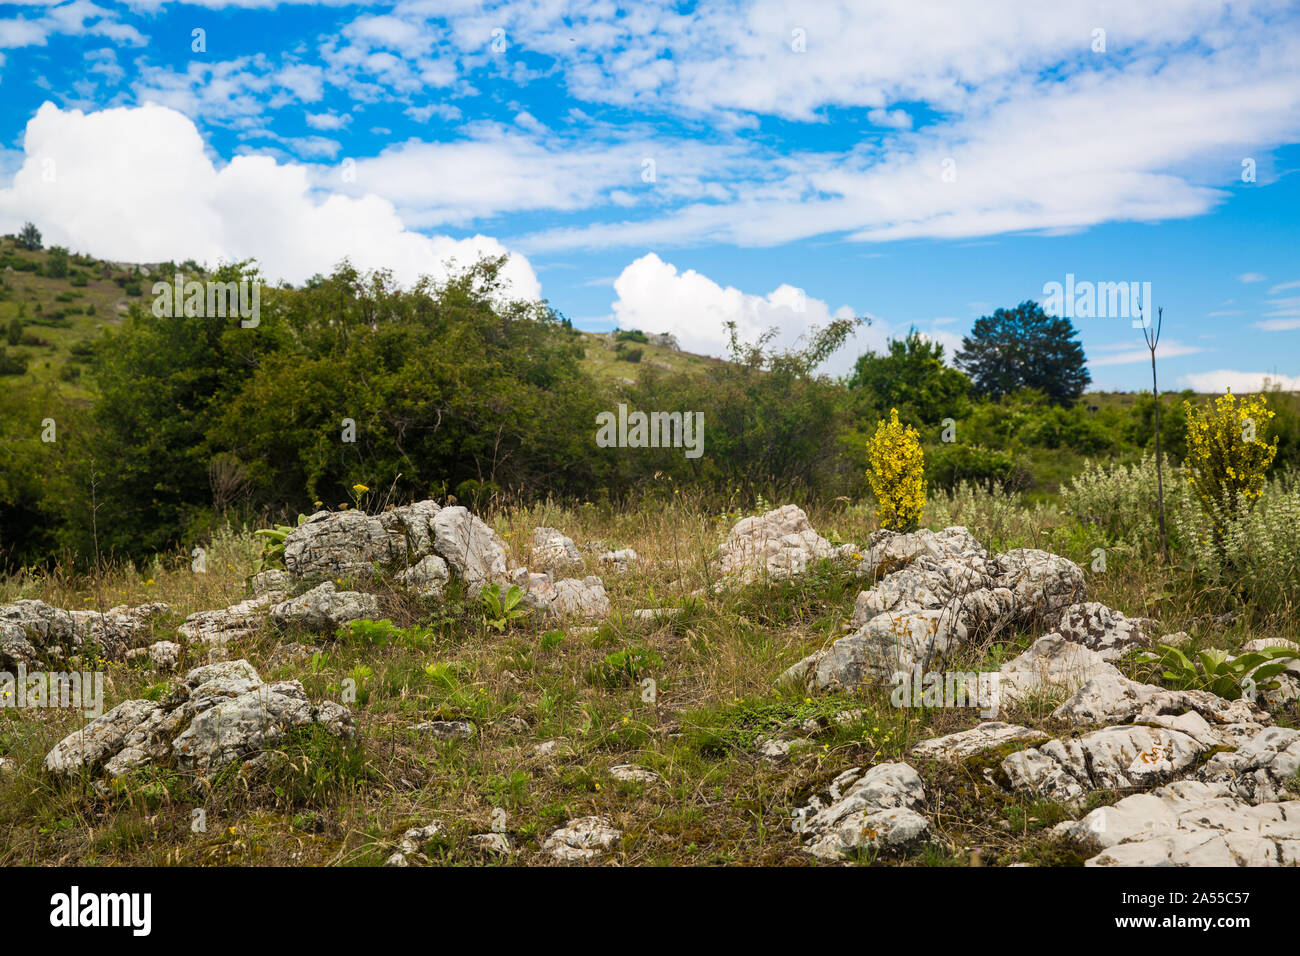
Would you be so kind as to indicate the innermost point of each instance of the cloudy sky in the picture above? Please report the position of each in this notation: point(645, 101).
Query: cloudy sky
point(672, 166)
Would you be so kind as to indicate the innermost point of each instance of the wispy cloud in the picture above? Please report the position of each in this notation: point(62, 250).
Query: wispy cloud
point(1124, 354)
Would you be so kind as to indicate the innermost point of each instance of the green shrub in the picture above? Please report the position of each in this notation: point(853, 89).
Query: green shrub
point(1118, 500)
point(1255, 550)
point(950, 463)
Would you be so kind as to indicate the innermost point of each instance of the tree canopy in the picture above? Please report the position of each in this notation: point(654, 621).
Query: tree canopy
point(1025, 347)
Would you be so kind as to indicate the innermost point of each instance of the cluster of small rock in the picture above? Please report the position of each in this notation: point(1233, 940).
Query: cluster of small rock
point(219, 713)
point(938, 589)
point(422, 545)
point(33, 632)
point(1210, 781)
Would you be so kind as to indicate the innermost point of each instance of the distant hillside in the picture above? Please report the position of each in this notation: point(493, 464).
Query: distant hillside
point(622, 356)
point(59, 315)
point(50, 309)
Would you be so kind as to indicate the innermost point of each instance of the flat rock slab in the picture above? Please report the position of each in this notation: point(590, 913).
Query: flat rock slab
point(954, 748)
point(446, 729)
point(219, 627)
point(1262, 770)
point(1190, 823)
point(1109, 697)
point(631, 773)
point(1051, 665)
point(1114, 758)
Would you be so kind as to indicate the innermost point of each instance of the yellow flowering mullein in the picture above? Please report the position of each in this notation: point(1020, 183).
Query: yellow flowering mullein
point(1226, 456)
point(897, 474)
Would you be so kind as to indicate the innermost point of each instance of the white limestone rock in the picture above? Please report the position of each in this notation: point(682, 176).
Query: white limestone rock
point(1106, 631)
point(427, 577)
point(1262, 770)
point(337, 544)
point(88, 747)
point(1113, 758)
point(872, 809)
point(582, 839)
point(954, 748)
point(631, 773)
point(889, 551)
point(475, 552)
point(622, 560)
point(1051, 665)
point(216, 714)
point(554, 552)
point(1043, 584)
point(1191, 823)
point(325, 609)
point(776, 545)
point(33, 632)
point(583, 600)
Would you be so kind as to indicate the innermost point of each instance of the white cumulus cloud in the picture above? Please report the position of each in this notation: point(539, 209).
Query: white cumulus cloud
point(137, 184)
point(655, 296)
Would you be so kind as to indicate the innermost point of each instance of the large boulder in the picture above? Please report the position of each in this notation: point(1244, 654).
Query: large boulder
point(569, 598)
point(248, 724)
point(622, 560)
point(939, 590)
point(926, 584)
point(775, 545)
point(474, 551)
point(885, 646)
point(1043, 584)
point(896, 642)
point(990, 735)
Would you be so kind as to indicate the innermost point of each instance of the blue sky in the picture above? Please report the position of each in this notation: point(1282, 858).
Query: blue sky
point(674, 166)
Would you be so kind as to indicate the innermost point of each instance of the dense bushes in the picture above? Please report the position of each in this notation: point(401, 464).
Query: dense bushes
point(772, 425)
point(446, 389)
